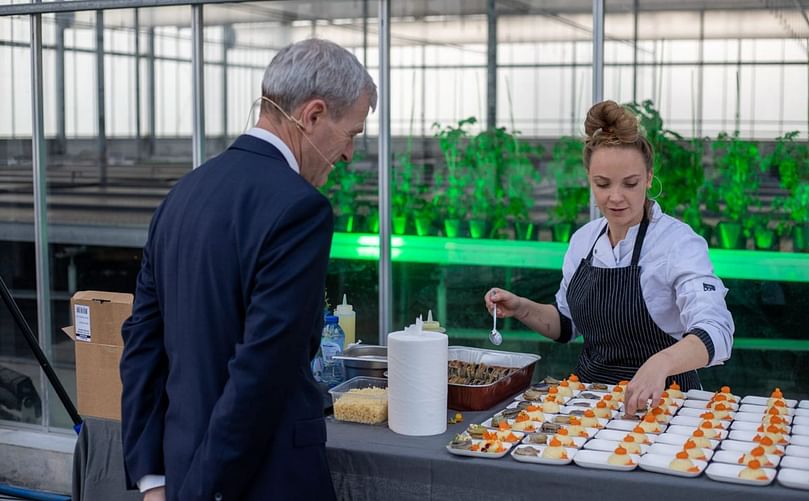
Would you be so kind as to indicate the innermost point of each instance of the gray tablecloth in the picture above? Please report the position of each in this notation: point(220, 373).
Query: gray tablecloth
point(373, 463)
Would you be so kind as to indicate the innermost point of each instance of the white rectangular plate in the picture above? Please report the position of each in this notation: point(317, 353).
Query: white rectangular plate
point(571, 453)
point(679, 440)
point(801, 429)
point(802, 412)
point(693, 422)
point(478, 454)
point(537, 424)
point(598, 460)
point(801, 440)
point(795, 462)
point(797, 450)
point(701, 404)
point(700, 394)
point(795, 479)
point(688, 430)
point(730, 473)
point(732, 457)
point(691, 412)
point(599, 444)
point(764, 400)
point(751, 417)
point(801, 420)
point(804, 404)
point(735, 445)
point(750, 426)
point(760, 409)
point(748, 436)
point(660, 464)
point(618, 435)
point(629, 425)
point(672, 450)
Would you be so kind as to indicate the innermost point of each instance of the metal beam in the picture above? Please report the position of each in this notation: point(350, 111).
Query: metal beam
point(229, 37)
point(39, 164)
point(59, 79)
point(150, 103)
point(83, 5)
point(385, 265)
point(598, 72)
point(100, 99)
point(635, 15)
point(198, 86)
point(138, 130)
point(491, 64)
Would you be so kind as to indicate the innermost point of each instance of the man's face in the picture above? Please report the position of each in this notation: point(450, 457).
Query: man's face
point(335, 140)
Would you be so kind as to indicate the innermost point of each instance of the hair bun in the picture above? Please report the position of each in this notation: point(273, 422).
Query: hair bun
point(608, 118)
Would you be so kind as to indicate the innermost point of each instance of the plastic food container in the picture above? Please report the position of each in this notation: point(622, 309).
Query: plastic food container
point(465, 397)
point(365, 360)
point(367, 407)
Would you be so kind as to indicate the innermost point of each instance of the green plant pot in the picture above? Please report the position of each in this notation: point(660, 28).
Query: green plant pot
point(452, 228)
point(800, 237)
point(424, 226)
point(344, 223)
point(399, 225)
point(561, 232)
point(729, 235)
point(765, 239)
point(372, 223)
point(477, 228)
point(524, 230)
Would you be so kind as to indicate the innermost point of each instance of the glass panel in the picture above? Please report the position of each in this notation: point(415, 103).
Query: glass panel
point(753, 81)
point(108, 168)
point(20, 384)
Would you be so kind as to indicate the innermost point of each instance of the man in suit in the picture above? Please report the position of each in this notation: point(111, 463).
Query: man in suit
point(219, 401)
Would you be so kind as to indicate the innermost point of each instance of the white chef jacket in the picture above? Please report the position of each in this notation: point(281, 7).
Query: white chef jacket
point(679, 286)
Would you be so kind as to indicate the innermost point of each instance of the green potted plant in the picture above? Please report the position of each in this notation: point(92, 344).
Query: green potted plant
point(677, 165)
point(791, 160)
point(341, 188)
point(572, 190)
point(451, 195)
point(402, 194)
point(738, 165)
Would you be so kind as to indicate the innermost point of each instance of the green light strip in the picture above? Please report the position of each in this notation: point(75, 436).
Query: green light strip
point(741, 264)
point(745, 343)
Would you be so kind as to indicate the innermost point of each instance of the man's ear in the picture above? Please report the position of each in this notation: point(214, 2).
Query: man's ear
point(312, 112)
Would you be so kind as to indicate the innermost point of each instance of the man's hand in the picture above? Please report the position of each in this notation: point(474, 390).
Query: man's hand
point(156, 494)
point(648, 383)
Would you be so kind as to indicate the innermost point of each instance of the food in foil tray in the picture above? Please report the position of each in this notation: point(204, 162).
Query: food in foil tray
point(476, 374)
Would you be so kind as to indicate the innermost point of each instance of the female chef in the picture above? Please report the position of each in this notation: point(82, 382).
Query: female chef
point(637, 284)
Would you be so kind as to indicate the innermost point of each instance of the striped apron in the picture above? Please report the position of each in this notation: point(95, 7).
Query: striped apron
point(607, 308)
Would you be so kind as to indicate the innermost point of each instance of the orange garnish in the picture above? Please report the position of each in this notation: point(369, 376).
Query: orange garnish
point(649, 418)
point(720, 398)
point(657, 411)
point(607, 397)
point(707, 415)
point(475, 447)
point(780, 403)
point(511, 437)
point(689, 444)
point(601, 405)
point(682, 455)
point(555, 442)
point(574, 421)
point(776, 420)
point(693, 469)
point(564, 383)
point(590, 413)
point(757, 451)
point(503, 426)
point(574, 378)
point(638, 429)
point(698, 433)
point(629, 438)
point(618, 389)
point(674, 386)
point(623, 382)
point(725, 389)
point(553, 390)
point(754, 464)
point(489, 435)
point(720, 407)
point(620, 450)
point(776, 393)
point(532, 408)
point(767, 441)
point(706, 424)
point(772, 411)
point(774, 429)
point(522, 417)
point(563, 455)
point(562, 431)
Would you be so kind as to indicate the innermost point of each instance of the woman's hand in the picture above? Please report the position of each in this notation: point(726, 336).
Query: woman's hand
point(648, 383)
point(508, 304)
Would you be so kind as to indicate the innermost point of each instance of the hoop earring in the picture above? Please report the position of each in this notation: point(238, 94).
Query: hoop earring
point(659, 192)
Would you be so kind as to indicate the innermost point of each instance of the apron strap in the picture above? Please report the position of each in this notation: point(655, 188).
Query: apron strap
point(590, 255)
point(644, 225)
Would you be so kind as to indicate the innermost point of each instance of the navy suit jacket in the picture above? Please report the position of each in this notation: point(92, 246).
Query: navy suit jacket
point(218, 394)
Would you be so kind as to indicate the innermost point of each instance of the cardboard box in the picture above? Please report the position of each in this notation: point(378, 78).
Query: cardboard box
point(96, 330)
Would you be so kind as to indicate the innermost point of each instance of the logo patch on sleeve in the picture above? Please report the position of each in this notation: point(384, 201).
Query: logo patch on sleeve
point(708, 287)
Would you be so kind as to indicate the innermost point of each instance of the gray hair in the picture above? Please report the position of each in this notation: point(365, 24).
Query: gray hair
point(316, 68)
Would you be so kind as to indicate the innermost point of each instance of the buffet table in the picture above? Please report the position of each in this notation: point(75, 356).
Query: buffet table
point(373, 463)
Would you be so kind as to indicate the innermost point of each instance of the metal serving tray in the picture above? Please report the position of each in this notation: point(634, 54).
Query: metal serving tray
point(365, 360)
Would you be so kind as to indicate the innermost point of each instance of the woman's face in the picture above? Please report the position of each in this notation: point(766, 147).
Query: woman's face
point(619, 182)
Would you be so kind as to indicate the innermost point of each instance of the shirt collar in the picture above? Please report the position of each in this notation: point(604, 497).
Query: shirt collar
point(276, 141)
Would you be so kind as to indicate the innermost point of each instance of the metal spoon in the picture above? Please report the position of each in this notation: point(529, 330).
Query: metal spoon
point(495, 336)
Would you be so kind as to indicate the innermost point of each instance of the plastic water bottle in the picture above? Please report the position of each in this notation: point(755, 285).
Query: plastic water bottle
point(331, 344)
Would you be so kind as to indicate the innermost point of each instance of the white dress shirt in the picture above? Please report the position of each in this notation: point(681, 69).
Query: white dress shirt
point(680, 288)
point(153, 481)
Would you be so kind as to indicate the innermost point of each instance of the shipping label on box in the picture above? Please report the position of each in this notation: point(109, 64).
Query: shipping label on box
point(81, 312)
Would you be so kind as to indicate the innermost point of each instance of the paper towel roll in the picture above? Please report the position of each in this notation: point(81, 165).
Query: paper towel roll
point(417, 382)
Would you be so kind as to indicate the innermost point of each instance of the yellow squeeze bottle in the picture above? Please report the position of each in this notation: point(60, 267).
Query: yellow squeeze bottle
point(347, 319)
